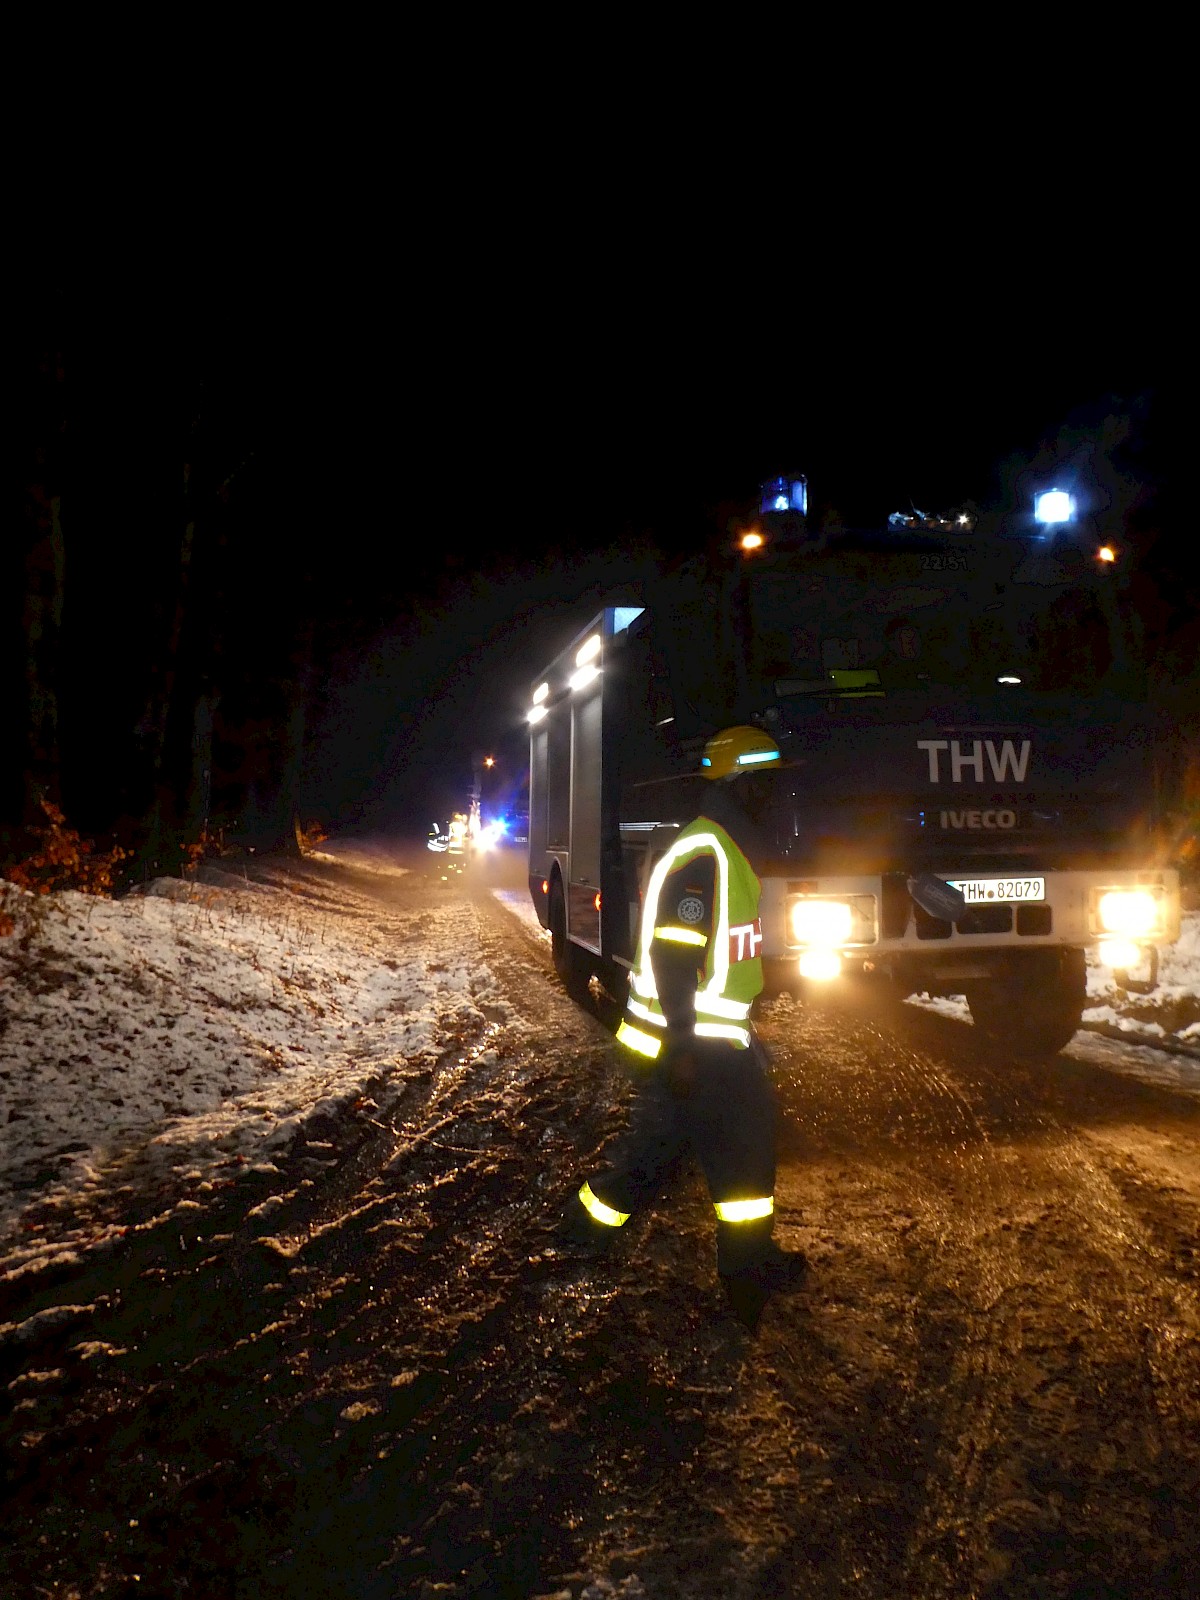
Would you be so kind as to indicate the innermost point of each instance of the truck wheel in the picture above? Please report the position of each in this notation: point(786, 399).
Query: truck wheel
point(1035, 1010)
point(569, 961)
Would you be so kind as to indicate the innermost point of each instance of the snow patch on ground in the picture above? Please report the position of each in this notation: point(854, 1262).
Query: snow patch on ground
point(194, 1029)
point(1176, 998)
point(952, 1005)
point(362, 855)
point(518, 902)
point(1137, 1061)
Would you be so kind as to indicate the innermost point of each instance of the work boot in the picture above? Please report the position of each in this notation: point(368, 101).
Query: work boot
point(782, 1270)
point(749, 1289)
point(580, 1234)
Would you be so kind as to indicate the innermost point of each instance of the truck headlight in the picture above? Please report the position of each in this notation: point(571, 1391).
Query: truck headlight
point(827, 923)
point(1133, 913)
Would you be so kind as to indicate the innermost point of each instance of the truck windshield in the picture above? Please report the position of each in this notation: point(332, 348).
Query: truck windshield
point(961, 619)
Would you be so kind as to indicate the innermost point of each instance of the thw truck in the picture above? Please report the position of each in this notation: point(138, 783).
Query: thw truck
point(970, 797)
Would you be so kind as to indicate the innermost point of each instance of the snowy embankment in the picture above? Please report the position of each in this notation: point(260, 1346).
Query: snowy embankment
point(188, 1032)
point(1172, 1013)
point(1170, 1016)
point(1154, 1037)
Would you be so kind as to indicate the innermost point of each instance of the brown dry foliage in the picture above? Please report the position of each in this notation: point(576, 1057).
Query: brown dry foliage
point(194, 851)
point(311, 836)
point(63, 860)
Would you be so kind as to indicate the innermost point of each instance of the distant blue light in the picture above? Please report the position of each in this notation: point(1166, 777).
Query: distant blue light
point(784, 494)
point(705, 762)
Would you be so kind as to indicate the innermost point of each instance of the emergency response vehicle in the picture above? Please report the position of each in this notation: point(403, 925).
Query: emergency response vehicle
point(970, 792)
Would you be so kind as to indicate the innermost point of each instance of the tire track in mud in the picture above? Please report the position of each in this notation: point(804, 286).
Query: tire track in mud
point(600, 1409)
point(403, 1385)
point(300, 1299)
point(1091, 1294)
point(893, 1430)
point(899, 1359)
point(880, 1461)
point(450, 1289)
point(460, 1215)
point(1029, 1240)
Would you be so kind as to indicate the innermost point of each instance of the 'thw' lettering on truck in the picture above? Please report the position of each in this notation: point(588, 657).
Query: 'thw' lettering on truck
point(968, 797)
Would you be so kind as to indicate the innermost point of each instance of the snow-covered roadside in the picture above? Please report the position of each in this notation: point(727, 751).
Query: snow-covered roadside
point(1176, 999)
point(1168, 1019)
point(193, 1029)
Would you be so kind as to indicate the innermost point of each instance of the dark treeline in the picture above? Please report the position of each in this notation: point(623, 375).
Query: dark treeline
point(159, 636)
point(202, 549)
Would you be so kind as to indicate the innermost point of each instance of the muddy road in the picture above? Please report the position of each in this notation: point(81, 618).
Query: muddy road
point(387, 1382)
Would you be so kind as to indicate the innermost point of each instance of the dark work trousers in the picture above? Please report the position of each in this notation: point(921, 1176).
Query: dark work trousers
point(727, 1121)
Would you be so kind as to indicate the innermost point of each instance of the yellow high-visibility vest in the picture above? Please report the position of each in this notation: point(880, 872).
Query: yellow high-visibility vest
point(732, 966)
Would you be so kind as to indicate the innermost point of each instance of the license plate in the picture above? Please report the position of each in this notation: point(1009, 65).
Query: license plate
point(1000, 891)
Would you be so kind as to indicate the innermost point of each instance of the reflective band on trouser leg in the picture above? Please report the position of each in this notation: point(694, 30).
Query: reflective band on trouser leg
point(644, 1043)
point(742, 1210)
point(599, 1212)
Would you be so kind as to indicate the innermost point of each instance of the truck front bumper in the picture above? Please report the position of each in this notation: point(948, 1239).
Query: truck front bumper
point(1122, 917)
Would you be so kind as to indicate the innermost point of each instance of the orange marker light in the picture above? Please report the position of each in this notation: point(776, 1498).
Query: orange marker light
point(596, 902)
point(752, 540)
point(1106, 553)
point(545, 885)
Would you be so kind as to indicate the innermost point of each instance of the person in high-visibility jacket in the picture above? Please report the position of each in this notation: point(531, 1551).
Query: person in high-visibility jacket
point(700, 1066)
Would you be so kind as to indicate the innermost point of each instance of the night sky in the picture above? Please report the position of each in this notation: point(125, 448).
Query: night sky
point(444, 484)
point(530, 475)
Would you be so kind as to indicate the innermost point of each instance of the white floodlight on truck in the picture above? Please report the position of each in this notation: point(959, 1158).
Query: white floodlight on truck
point(538, 709)
point(1052, 507)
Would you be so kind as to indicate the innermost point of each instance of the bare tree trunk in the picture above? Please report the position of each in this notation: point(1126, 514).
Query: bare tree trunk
point(199, 795)
point(162, 846)
point(291, 766)
point(44, 561)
